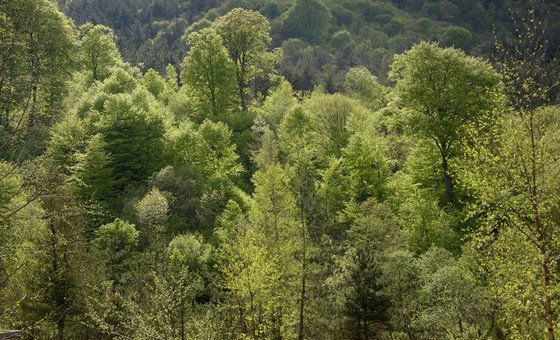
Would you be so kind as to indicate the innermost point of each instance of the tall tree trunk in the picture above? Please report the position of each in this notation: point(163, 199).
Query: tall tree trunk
point(302, 302)
point(242, 96)
point(35, 89)
point(60, 329)
point(182, 323)
point(241, 81)
point(303, 266)
point(548, 301)
point(447, 180)
point(540, 233)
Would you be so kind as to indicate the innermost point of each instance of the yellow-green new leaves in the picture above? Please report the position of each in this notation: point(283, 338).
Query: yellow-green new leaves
point(99, 52)
point(208, 149)
point(444, 90)
point(263, 269)
point(209, 73)
point(516, 175)
point(363, 86)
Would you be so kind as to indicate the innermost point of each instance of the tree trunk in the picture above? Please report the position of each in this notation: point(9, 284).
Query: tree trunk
point(302, 303)
point(548, 302)
point(447, 180)
point(182, 323)
point(549, 312)
point(60, 329)
point(540, 233)
point(241, 81)
point(35, 89)
point(303, 265)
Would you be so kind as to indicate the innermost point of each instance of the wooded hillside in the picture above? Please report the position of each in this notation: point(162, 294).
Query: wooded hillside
point(310, 169)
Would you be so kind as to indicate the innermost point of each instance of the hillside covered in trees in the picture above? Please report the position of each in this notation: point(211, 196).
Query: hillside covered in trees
point(280, 169)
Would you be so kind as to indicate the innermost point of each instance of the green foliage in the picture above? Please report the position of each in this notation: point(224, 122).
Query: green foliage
point(323, 202)
point(117, 242)
point(116, 237)
point(280, 100)
point(210, 74)
point(93, 171)
point(364, 159)
point(446, 282)
point(369, 241)
point(425, 224)
point(134, 140)
point(245, 35)
point(38, 49)
point(443, 90)
point(456, 36)
point(308, 20)
point(518, 164)
point(295, 135)
point(99, 52)
point(209, 149)
point(342, 39)
point(362, 85)
point(152, 214)
point(156, 85)
point(190, 252)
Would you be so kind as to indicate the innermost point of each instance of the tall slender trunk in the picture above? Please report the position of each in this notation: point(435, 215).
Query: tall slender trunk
point(446, 177)
point(35, 89)
point(60, 329)
point(304, 268)
point(182, 323)
point(241, 73)
point(277, 332)
point(242, 96)
point(541, 236)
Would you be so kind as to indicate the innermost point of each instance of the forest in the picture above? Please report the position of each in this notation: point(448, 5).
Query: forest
point(280, 169)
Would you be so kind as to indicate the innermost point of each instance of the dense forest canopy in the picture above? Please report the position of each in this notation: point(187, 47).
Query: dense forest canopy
point(280, 169)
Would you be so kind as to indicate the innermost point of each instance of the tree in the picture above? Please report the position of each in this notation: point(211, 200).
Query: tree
point(456, 36)
point(209, 72)
point(453, 301)
point(278, 102)
point(245, 35)
point(444, 90)
point(56, 278)
point(262, 267)
point(171, 78)
point(331, 115)
point(363, 86)
point(364, 159)
point(133, 138)
point(99, 51)
point(295, 141)
point(156, 85)
point(189, 262)
point(93, 172)
point(520, 183)
point(308, 20)
point(116, 241)
point(374, 234)
point(152, 214)
point(37, 52)
point(209, 150)
point(518, 165)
